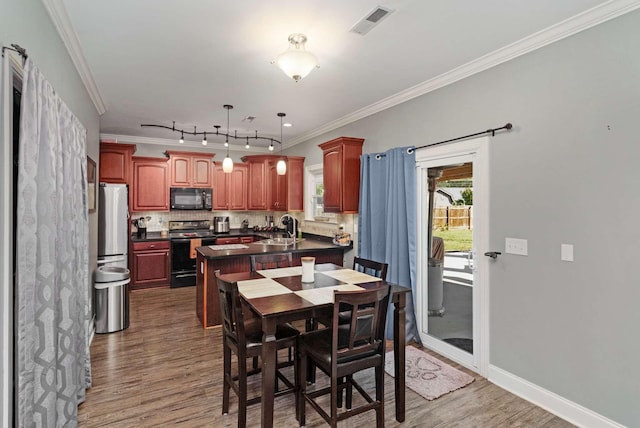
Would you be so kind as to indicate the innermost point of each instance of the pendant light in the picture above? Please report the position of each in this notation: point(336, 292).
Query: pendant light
point(227, 163)
point(281, 166)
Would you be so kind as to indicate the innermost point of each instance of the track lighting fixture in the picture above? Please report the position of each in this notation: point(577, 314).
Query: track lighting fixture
point(227, 135)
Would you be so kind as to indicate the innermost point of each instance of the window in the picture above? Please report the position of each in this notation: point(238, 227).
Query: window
point(314, 209)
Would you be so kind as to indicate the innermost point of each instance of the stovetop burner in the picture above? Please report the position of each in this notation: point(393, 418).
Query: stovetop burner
point(190, 229)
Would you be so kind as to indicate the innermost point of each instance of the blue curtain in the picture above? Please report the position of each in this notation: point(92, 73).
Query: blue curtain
point(387, 221)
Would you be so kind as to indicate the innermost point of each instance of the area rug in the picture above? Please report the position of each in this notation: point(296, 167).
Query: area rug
point(428, 376)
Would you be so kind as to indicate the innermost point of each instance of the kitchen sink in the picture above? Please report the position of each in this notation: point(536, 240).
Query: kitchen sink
point(280, 241)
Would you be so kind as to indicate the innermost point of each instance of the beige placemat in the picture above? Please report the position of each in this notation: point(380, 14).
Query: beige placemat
point(320, 296)
point(253, 288)
point(351, 276)
point(281, 272)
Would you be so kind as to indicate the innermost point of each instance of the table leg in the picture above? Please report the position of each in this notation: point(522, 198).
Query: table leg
point(268, 370)
point(399, 343)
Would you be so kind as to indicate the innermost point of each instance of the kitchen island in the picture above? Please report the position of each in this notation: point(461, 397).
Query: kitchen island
point(237, 258)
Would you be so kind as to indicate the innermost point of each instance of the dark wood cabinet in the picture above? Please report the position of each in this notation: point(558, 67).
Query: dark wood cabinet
point(341, 174)
point(277, 187)
point(228, 240)
point(257, 181)
point(295, 183)
point(150, 190)
point(230, 190)
point(190, 169)
point(269, 191)
point(150, 264)
point(115, 162)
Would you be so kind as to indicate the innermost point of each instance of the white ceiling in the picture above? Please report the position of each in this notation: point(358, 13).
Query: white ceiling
point(159, 61)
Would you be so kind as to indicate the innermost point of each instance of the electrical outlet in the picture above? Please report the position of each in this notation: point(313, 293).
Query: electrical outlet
point(566, 252)
point(515, 246)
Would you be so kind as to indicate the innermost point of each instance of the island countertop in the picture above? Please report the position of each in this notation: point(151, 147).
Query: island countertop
point(305, 245)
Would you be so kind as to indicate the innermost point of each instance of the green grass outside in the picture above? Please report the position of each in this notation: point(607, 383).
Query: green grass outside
point(455, 239)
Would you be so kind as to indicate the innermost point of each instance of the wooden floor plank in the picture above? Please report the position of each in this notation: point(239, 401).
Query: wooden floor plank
point(165, 370)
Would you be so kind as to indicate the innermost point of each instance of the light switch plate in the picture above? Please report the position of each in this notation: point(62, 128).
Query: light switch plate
point(515, 246)
point(566, 252)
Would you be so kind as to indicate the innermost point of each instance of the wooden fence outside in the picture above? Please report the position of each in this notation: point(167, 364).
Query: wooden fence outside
point(453, 217)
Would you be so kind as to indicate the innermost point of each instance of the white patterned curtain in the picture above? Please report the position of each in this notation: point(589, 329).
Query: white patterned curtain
point(52, 284)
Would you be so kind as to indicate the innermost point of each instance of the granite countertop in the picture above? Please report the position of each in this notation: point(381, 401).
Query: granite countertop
point(151, 236)
point(259, 234)
point(307, 244)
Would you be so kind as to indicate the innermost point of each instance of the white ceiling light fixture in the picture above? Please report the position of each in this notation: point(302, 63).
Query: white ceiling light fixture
point(297, 62)
point(281, 166)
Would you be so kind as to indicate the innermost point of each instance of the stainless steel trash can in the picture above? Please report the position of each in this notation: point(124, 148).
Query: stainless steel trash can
point(112, 299)
point(435, 292)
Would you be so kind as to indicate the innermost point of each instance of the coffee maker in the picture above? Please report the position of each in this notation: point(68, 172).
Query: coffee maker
point(141, 224)
point(221, 224)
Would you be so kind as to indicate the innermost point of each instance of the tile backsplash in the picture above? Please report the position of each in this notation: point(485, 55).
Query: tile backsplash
point(160, 220)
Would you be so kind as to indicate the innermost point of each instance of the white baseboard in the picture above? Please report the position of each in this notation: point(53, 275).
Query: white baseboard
point(553, 403)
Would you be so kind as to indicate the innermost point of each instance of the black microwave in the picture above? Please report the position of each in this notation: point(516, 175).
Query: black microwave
point(191, 198)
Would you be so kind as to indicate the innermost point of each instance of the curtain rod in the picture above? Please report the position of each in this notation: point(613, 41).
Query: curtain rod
point(16, 48)
point(410, 150)
point(508, 126)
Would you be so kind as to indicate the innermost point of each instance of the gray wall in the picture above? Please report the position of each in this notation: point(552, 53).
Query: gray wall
point(27, 23)
point(567, 173)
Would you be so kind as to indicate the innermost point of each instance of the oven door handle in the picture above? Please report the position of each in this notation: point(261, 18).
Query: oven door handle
point(185, 275)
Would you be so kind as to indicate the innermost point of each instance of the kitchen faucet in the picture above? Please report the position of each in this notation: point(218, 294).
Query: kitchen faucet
point(293, 222)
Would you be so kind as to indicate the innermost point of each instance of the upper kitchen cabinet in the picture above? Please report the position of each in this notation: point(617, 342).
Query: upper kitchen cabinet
point(269, 191)
point(150, 188)
point(341, 174)
point(190, 169)
point(230, 190)
point(286, 192)
point(115, 162)
point(295, 183)
point(257, 184)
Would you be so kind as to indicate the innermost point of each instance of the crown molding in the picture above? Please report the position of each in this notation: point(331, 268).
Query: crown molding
point(583, 21)
point(132, 139)
point(58, 14)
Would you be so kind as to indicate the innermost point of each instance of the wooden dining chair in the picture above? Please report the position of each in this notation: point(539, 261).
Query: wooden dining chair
point(270, 261)
point(377, 269)
point(242, 336)
point(344, 350)
point(370, 267)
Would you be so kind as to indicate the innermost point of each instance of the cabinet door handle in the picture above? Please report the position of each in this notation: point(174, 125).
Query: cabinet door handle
point(152, 246)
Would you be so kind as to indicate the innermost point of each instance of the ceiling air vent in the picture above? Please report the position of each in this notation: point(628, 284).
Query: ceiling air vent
point(370, 20)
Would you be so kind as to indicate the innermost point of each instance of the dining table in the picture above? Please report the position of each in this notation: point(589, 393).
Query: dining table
point(279, 295)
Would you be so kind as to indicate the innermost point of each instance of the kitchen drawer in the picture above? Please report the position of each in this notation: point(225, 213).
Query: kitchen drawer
point(229, 240)
point(246, 239)
point(150, 245)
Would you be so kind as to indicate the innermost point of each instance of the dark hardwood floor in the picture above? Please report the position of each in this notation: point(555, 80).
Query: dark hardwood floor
point(165, 370)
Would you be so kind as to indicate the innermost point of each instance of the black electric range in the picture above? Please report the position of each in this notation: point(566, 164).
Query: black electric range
point(181, 234)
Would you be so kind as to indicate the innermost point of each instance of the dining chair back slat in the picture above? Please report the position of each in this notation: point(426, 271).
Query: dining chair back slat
point(270, 261)
point(377, 269)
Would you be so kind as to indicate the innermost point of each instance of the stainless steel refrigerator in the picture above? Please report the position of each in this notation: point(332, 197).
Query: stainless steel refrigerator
point(113, 225)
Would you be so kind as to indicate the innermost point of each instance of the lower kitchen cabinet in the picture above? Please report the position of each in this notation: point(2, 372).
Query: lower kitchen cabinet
point(228, 240)
point(150, 264)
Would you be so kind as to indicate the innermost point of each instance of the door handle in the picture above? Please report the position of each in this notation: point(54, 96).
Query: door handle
point(493, 254)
